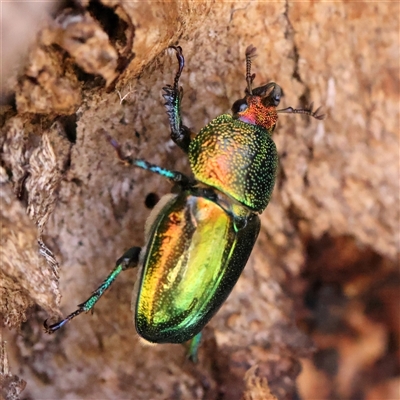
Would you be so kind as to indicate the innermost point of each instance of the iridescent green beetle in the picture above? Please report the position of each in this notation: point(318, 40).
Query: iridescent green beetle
point(199, 240)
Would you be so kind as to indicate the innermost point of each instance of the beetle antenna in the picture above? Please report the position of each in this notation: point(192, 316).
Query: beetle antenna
point(250, 53)
point(307, 111)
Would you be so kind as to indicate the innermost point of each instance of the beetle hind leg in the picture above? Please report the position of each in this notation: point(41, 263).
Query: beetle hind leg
point(173, 94)
point(194, 345)
point(129, 259)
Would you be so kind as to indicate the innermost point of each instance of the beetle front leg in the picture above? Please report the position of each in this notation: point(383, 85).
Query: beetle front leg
point(130, 259)
point(180, 133)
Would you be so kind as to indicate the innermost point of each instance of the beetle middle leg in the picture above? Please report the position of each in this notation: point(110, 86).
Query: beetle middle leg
point(130, 259)
point(174, 176)
point(180, 133)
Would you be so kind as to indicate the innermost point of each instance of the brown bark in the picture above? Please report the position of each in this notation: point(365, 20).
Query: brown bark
point(333, 221)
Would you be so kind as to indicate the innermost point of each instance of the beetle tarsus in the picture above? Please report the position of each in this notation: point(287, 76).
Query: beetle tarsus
point(116, 146)
point(181, 64)
point(56, 326)
point(180, 133)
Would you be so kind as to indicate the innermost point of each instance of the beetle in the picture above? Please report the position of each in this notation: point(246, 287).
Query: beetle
point(199, 238)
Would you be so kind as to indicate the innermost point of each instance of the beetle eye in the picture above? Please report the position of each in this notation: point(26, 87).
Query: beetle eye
point(276, 95)
point(239, 106)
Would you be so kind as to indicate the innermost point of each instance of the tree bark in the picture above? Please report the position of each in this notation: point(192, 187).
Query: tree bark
point(335, 208)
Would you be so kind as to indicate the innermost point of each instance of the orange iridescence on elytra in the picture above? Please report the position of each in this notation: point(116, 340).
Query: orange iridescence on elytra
point(186, 262)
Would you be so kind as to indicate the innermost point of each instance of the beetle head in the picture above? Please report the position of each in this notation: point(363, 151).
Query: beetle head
point(258, 107)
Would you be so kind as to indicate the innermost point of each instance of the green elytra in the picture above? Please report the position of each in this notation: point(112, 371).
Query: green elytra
point(199, 240)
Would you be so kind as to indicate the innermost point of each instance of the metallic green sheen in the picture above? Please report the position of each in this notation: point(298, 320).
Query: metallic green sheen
point(193, 259)
point(237, 158)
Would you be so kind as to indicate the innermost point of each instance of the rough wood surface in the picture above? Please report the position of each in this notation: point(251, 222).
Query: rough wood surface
point(333, 220)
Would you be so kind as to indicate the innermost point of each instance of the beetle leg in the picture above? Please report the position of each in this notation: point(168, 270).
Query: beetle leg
point(130, 259)
point(174, 176)
point(194, 345)
point(180, 133)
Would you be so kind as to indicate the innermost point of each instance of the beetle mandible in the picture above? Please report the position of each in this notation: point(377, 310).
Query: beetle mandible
point(199, 239)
